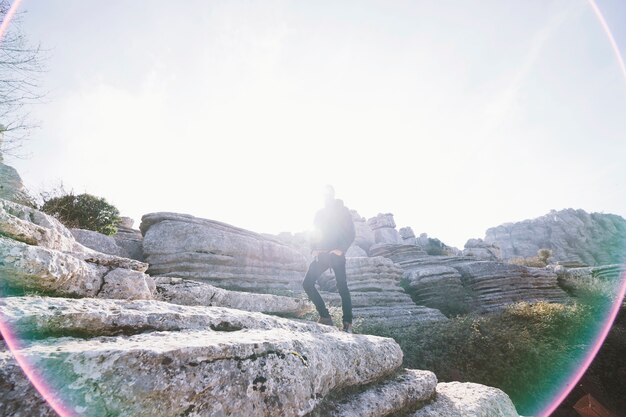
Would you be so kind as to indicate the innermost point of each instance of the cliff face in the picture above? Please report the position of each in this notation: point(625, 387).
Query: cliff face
point(574, 236)
point(127, 343)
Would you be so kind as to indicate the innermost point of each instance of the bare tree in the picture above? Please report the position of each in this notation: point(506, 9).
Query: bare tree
point(20, 68)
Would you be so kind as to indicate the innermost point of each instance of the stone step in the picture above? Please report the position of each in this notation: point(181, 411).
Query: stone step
point(458, 399)
point(40, 317)
point(400, 394)
point(251, 372)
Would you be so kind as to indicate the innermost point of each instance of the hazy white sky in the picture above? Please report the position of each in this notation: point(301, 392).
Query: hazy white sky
point(454, 115)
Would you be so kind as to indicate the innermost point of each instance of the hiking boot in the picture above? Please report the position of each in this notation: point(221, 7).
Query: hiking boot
point(347, 327)
point(326, 320)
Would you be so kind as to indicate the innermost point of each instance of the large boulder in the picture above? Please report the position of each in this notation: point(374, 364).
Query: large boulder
point(364, 235)
point(183, 246)
point(228, 362)
point(11, 185)
point(456, 399)
point(572, 236)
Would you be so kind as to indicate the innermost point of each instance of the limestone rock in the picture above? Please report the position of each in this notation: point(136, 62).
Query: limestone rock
point(482, 250)
point(408, 236)
point(34, 227)
point(35, 268)
point(129, 240)
point(364, 235)
point(456, 399)
point(377, 297)
point(184, 246)
point(96, 241)
point(496, 284)
point(11, 185)
point(42, 317)
point(572, 236)
point(474, 284)
point(404, 392)
point(384, 228)
point(400, 254)
point(14, 388)
point(186, 292)
point(127, 284)
point(251, 372)
point(355, 251)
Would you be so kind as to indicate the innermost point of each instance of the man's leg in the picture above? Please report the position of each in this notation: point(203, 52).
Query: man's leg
point(315, 271)
point(338, 264)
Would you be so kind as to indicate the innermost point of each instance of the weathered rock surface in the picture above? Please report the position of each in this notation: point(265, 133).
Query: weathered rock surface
point(494, 285)
point(408, 390)
point(364, 235)
point(456, 399)
point(384, 228)
point(11, 185)
point(129, 240)
point(284, 370)
point(600, 281)
point(96, 241)
point(572, 236)
point(40, 317)
point(377, 297)
point(187, 292)
point(482, 250)
point(39, 254)
point(408, 236)
point(459, 284)
point(184, 246)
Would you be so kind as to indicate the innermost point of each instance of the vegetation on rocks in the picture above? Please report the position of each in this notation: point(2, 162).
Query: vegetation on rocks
point(518, 350)
point(83, 211)
point(538, 261)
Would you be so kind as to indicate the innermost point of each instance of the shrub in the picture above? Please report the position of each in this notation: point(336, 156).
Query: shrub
point(518, 350)
point(83, 211)
point(539, 261)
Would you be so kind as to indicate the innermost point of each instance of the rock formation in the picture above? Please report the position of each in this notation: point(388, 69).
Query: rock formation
point(459, 284)
point(11, 185)
point(572, 236)
point(384, 228)
point(127, 242)
point(106, 351)
point(377, 297)
point(480, 249)
point(183, 246)
point(41, 255)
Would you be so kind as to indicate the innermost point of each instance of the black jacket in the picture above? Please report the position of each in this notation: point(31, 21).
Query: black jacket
point(334, 228)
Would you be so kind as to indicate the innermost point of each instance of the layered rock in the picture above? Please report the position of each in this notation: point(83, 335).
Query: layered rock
point(187, 292)
point(384, 228)
point(408, 236)
point(129, 240)
point(40, 255)
point(456, 399)
point(482, 250)
point(377, 297)
point(459, 284)
point(231, 362)
point(364, 235)
point(572, 236)
point(184, 246)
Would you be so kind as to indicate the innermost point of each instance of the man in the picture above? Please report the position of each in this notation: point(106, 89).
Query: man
point(333, 236)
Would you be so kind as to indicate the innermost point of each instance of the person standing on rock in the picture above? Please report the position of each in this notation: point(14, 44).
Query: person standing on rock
point(334, 233)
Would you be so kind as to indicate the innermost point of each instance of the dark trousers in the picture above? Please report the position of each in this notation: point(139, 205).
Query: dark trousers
point(317, 267)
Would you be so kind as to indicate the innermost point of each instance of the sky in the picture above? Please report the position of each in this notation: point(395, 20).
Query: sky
point(455, 116)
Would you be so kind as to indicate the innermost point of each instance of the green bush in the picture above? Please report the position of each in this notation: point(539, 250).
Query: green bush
point(538, 261)
point(83, 211)
point(518, 350)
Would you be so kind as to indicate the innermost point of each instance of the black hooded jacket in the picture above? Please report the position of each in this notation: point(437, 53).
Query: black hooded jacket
point(335, 228)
